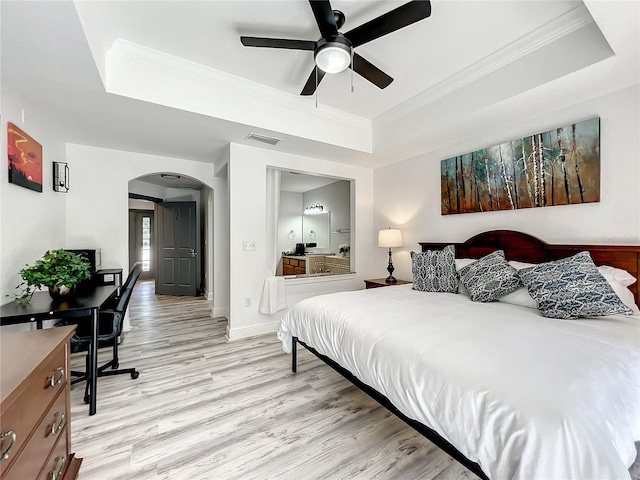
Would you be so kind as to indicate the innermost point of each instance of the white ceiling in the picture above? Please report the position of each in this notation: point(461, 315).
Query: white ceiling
point(53, 56)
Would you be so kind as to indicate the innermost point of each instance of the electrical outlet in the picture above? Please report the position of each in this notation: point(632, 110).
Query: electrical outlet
point(247, 301)
point(249, 245)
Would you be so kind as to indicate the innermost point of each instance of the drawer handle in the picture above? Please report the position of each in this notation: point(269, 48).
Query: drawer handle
point(53, 381)
point(7, 453)
point(56, 473)
point(57, 428)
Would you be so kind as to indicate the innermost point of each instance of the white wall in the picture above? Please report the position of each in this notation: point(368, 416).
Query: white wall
point(335, 198)
point(97, 205)
point(247, 198)
point(407, 194)
point(30, 222)
point(289, 218)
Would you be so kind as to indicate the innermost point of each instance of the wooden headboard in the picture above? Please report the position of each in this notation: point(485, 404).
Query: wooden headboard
point(525, 248)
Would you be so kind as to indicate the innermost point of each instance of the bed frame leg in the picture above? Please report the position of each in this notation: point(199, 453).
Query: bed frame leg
point(294, 354)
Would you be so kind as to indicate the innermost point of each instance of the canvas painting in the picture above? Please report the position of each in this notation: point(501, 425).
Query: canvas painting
point(25, 159)
point(557, 167)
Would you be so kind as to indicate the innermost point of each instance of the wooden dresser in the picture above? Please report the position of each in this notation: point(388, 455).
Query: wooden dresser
point(35, 413)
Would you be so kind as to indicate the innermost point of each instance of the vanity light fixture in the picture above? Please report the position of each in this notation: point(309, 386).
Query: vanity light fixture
point(390, 237)
point(313, 209)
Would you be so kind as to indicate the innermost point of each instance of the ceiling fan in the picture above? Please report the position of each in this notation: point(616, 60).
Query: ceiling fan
point(333, 52)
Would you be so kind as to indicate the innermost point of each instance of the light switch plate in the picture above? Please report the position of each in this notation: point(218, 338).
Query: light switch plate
point(249, 245)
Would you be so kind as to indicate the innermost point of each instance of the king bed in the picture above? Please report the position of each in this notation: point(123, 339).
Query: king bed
point(506, 391)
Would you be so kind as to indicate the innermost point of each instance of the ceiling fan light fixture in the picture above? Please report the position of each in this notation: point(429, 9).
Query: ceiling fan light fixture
point(333, 57)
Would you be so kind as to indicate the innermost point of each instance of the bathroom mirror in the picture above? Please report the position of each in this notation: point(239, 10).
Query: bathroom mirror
point(316, 228)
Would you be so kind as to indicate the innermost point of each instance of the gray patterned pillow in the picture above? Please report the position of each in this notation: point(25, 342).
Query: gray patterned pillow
point(490, 277)
point(435, 271)
point(572, 288)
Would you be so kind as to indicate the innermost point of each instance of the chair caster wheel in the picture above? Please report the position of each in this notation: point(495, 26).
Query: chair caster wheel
point(135, 375)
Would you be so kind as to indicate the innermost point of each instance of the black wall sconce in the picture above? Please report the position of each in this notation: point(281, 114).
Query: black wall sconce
point(60, 177)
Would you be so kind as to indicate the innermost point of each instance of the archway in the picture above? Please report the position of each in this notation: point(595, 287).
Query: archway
point(151, 192)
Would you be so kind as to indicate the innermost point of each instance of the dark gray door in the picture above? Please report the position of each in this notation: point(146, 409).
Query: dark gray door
point(177, 272)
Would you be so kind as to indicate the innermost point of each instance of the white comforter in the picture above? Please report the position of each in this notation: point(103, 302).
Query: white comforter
point(524, 396)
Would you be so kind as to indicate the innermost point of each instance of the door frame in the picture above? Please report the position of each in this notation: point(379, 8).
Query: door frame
point(135, 248)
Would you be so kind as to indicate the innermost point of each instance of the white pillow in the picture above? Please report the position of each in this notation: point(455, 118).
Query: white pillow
point(521, 265)
point(623, 277)
point(520, 297)
point(461, 263)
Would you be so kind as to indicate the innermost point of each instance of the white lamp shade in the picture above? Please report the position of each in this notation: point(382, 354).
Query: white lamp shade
point(390, 237)
point(333, 58)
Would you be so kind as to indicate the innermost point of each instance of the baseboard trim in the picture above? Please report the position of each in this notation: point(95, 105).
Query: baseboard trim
point(234, 334)
point(220, 312)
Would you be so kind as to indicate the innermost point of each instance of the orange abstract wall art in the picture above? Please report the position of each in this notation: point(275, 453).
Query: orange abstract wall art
point(25, 159)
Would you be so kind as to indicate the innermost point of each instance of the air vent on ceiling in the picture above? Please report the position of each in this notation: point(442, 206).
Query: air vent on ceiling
point(262, 139)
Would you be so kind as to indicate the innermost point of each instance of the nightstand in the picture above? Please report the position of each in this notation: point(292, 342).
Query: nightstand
point(379, 282)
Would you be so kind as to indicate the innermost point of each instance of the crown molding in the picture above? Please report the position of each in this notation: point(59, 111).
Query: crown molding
point(222, 80)
point(565, 24)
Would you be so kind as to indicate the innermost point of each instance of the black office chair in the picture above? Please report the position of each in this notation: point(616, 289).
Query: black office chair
point(109, 329)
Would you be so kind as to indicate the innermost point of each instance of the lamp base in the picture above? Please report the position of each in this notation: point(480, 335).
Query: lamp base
point(390, 269)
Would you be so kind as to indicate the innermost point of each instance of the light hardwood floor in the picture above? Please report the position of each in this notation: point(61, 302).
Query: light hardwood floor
point(203, 408)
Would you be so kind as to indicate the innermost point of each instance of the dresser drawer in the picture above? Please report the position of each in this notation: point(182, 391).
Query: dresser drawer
point(37, 448)
point(57, 462)
point(23, 414)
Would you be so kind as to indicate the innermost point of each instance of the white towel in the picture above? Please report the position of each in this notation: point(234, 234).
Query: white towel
point(274, 296)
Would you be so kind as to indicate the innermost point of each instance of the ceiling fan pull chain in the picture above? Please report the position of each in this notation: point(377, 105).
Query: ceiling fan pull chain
point(352, 70)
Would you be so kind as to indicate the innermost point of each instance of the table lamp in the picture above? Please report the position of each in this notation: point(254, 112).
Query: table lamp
point(390, 237)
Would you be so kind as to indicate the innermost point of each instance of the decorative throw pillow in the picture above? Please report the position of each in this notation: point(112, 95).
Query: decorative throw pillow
point(435, 271)
point(572, 288)
point(490, 277)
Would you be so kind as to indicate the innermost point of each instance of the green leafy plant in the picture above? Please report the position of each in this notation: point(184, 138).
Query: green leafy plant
point(56, 268)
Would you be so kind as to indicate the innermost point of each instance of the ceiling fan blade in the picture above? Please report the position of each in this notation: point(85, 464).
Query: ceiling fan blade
point(278, 43)
point(370, 72)
point(310, 86)
point(396, 19)
point(324, 17)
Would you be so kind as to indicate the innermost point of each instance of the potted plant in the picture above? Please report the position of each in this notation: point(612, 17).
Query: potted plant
point(59, 270)
point(344, 249)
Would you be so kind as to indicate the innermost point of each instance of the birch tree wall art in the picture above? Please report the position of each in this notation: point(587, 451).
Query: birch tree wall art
point(558, 167)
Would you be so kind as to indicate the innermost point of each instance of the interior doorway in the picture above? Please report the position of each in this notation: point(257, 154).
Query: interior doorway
point(142, 244)
point(156, 232)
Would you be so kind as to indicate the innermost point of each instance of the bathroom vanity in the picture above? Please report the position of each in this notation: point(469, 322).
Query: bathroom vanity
point(294, 265)
point(315, 264)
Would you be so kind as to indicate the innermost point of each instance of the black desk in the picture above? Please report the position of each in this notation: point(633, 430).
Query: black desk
point(43, 307)
point(101, 275)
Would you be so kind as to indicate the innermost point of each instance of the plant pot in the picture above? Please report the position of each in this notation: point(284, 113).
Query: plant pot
point(63, 292)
